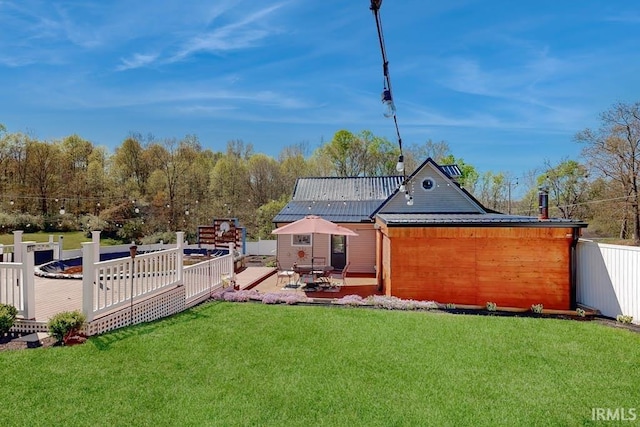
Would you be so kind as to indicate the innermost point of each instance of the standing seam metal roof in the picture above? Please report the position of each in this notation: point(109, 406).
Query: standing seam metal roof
point(346, 189)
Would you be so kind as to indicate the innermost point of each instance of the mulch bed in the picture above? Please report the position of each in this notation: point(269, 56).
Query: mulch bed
point(9, 342)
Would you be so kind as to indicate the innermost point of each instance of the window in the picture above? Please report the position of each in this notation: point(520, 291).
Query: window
point(428, 184)
point(301, 240)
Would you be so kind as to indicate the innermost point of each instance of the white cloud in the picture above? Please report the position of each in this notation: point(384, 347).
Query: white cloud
point(136, 61)
point(244, 33)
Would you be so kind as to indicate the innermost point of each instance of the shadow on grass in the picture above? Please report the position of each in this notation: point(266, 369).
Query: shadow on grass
point(104, 342)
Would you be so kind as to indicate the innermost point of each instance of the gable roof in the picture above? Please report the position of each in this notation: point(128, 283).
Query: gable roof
point(444, 196)
point(362, 199)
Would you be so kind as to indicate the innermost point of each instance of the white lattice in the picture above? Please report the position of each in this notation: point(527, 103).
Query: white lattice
point(162, 305)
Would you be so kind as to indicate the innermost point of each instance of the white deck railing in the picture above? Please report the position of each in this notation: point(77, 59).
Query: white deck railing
point(608, 278)
point(117, 283)
point(17, 286)
point(7, 253)
point(202, 278)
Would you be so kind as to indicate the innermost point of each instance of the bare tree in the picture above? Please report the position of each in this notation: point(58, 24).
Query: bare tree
point(614, 151)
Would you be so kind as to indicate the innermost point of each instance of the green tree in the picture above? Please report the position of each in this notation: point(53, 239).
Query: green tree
point(470, 176)
point(568, 185)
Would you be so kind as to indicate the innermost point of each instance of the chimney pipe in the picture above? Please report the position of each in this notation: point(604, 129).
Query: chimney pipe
point(543, 202)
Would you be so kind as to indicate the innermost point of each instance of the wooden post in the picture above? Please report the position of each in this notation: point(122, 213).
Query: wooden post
point(88, 276)
point(28, 277)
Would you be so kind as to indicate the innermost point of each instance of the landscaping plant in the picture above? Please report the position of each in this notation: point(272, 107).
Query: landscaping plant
point(8, 315)
point(624, 318)
point(65, 324)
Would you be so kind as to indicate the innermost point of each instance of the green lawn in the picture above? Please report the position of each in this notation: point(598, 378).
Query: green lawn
point(71, 239)
point(254, 364)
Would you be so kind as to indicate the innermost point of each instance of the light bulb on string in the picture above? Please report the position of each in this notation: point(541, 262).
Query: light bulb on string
point(387, 100)
point(410, 201)
point(403, 187)
point(400, 164)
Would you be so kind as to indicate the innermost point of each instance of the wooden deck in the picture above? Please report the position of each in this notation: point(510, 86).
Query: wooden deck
point(56, 295)
point(363, 286)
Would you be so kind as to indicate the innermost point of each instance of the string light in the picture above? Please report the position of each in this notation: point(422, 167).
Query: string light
point(387, 97)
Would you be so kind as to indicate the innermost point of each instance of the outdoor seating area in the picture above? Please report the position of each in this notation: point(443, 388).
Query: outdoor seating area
point(330, 285)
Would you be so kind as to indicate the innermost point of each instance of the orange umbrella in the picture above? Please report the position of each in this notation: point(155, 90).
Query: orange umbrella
point(312, 224)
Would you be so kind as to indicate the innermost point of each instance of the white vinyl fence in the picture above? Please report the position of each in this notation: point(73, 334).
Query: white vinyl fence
point(17, 282)
point(608, 278)
point(261, 247)
point(203, 278)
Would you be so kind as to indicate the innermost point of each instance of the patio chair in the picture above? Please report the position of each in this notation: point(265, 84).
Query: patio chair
point(285, 275)
point(339, 277)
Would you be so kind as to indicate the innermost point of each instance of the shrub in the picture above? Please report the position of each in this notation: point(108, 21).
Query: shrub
point(350, 300)
point(537, 308)
point(64, 323)
point(165, 237)
point(395, 303)
point(8, 315)
point(580, 312)
point(624, 318)
point(242, 296)
point(450, 306)
point(491, 306)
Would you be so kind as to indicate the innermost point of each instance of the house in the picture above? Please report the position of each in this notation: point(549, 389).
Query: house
point(443, 245)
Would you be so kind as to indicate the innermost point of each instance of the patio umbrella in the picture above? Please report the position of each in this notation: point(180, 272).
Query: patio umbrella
point(313, 224)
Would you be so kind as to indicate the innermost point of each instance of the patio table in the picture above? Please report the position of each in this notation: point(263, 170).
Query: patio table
point(313, 274)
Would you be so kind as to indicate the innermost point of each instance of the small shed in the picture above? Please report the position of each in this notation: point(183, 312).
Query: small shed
point(444, 246)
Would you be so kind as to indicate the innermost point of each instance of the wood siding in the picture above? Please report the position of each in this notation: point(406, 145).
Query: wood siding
point(513, 267)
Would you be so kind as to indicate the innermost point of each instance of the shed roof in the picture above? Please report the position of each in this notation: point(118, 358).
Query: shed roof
point(474, 219)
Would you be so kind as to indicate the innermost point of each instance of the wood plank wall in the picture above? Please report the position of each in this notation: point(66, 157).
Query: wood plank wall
point(513, 267)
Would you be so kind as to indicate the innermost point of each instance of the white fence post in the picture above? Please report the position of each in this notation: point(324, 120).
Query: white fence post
point(95, 239)
point(88, 275)
point(28, 277)
point(17, 245)
point(180, 260)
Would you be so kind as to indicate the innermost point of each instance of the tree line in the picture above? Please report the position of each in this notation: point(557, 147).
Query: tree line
point(149, 185)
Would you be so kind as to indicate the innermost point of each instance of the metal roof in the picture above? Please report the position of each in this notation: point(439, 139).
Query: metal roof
point(336, 211)
point(487, 219)
point(453, 171)
point(346, 188)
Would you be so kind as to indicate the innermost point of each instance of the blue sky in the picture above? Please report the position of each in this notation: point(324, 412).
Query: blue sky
point(507, 84)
